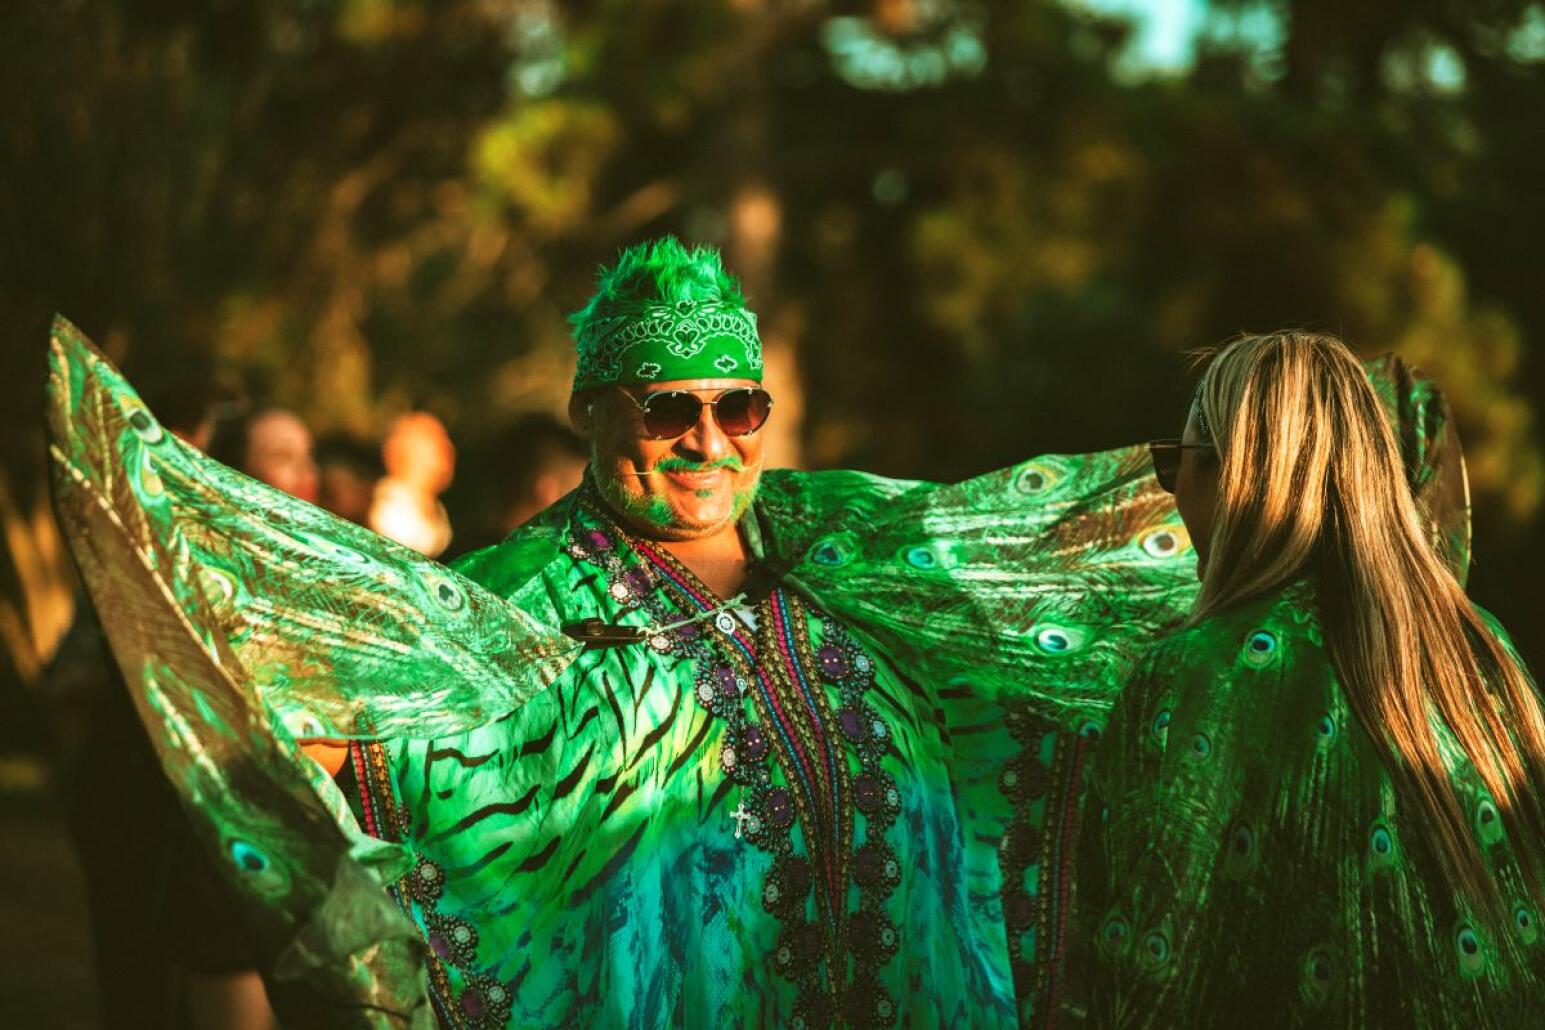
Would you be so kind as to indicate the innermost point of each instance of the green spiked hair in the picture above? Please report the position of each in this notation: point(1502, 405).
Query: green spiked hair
point(665, 312)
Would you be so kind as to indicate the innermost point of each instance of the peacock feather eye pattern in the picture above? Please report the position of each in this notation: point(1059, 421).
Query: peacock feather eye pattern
point(304, 725)
point(256, 869)
point(1164, 542)
point(145, 426)
point(1201, 747)
point(922, 556)
point(1239, 857)
point(447, 594)
point(1525, 923)
point(833, 551)
point(1382, 850)
point(1053, 639)
point(1470, 951)
point(1317, 978)
point(1260, 649)
point(1115, 935)
point(1153, 951)
point(149, 479)
point(1488, 822)
point(1041, 477)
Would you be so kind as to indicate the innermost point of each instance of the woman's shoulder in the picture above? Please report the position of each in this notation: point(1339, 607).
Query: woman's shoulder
point(1267, 631)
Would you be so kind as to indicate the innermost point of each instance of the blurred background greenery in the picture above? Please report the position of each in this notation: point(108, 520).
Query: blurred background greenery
point(974, 231)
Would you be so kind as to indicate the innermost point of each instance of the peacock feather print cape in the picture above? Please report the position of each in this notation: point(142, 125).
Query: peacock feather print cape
point(853, 801)
point(1248, 861)
point(243, 619)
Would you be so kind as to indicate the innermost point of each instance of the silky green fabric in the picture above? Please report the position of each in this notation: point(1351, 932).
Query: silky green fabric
point(1253, 866)
point(242, 619)
point(598, 820)
point(589, 843)
point(576, 815)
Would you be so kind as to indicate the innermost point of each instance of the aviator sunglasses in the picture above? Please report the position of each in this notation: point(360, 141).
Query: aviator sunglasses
point(1166, 459)
point(672, 413)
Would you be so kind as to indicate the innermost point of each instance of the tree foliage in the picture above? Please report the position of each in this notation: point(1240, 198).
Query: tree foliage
point(980, 232)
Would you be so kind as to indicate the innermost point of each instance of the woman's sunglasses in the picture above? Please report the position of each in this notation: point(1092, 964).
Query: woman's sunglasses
point(1166, 459)
point(672, 413)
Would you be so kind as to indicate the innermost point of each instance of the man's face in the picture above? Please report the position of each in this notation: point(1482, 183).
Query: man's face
point(685, 488)
point(279, 454)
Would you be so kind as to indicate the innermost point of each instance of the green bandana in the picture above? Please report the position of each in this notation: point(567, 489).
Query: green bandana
point(689, 339)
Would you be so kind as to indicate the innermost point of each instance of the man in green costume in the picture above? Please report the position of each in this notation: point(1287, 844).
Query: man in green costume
point(738, 806)
point(696, 745)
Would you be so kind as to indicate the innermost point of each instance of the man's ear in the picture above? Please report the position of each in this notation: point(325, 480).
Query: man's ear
point(582, 413)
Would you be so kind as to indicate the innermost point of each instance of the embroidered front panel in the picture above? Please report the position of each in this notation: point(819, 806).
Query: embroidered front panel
point(484, 1003)
point(810, 774)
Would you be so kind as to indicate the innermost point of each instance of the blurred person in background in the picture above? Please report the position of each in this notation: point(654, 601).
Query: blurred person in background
point(348, 470)
point(272, 445)
point(532, 463)
point(540, 460)
point(420, 464)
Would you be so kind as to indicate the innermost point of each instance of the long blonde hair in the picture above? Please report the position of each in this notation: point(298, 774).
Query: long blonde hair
point(1311, 484)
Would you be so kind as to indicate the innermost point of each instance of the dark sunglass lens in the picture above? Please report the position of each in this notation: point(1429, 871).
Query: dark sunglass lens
point(1166, 462)
point(672, 414)
point(742, 412)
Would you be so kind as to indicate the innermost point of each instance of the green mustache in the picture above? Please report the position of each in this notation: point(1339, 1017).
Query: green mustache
point(675, 464)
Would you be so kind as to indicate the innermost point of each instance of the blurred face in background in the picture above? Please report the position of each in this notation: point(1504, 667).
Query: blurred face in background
point(557, 474)
point(346, 491)
point(419, 451)
point(279, 454)
point(685, 488)
point(197, 435)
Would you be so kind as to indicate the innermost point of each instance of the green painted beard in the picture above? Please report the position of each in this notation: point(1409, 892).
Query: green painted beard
point(651, 511)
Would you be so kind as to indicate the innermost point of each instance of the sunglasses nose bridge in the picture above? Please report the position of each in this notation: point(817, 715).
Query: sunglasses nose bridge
point(706, 436)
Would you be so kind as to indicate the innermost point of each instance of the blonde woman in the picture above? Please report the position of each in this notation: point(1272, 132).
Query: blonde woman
point(1323, 796)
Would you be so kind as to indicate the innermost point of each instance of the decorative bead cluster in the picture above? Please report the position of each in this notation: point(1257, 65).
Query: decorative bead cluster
point(1024, 780)
point(485, 1002)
